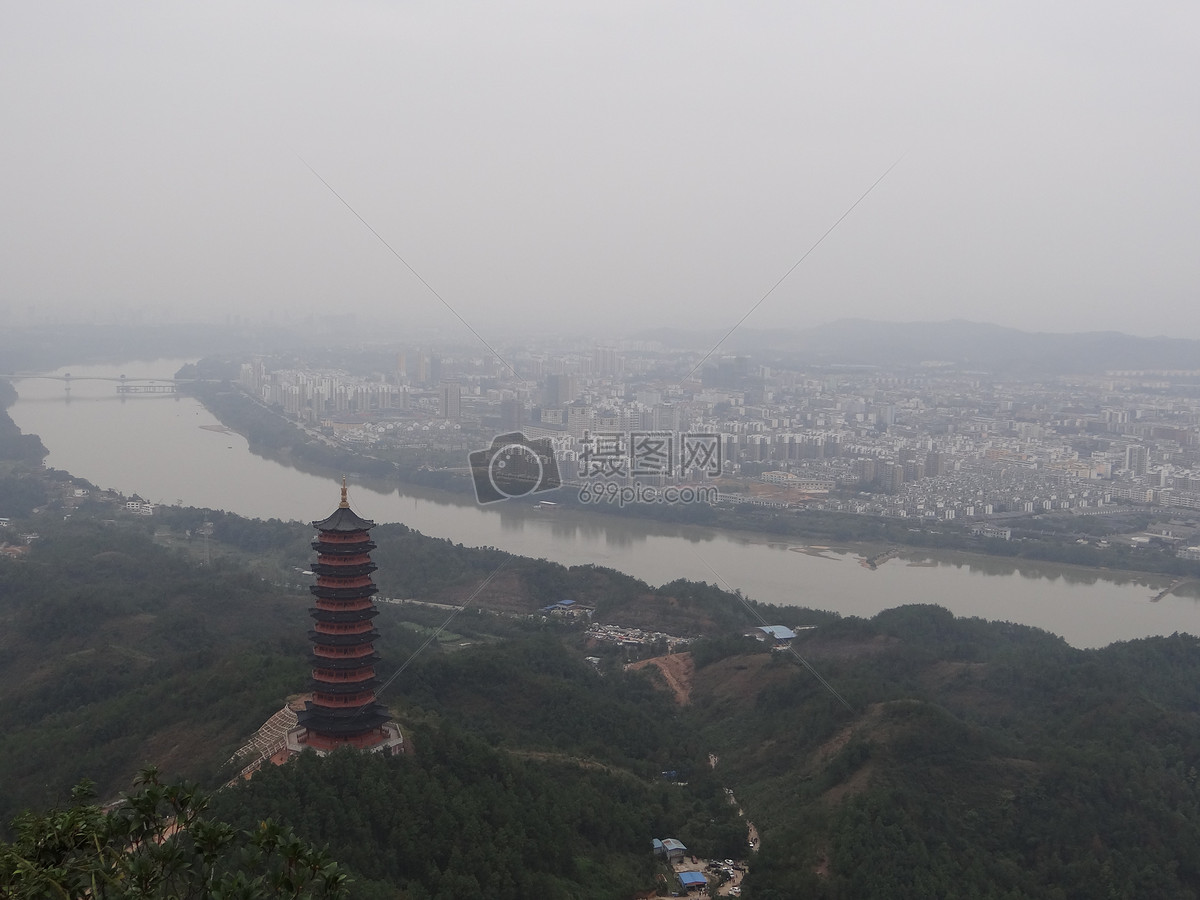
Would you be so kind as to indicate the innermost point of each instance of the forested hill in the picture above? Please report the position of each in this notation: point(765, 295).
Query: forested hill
point(129, 642)
point(977, 760)
point(981, 760)
point(15, 446)
point(141, 641)
point(971, 759)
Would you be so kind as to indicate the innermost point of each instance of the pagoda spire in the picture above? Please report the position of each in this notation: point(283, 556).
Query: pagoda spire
point(345, 504)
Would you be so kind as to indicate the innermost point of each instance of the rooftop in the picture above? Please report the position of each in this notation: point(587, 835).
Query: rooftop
point(344, 518)
point(779, 632)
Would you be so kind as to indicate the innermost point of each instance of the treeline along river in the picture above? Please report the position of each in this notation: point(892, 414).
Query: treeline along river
point(170, 449)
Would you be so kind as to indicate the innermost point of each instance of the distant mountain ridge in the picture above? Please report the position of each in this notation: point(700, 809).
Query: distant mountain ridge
point(963, 344)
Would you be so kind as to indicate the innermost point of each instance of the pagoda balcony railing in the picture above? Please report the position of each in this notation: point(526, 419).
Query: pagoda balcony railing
point(321, 700)
point(343, 535)
point(344, 661)
point(352, 639)
point(345, 603)
point(331, 593)
point(365, 741)
point(344, 687)
point(328, 737)
point(334, 653)
point(339, 715)
point(328, 675)
point(344, 580)
point(328, 681)
point(351, 722)
point(345, 713)
point(341, 629)
point(347, 548)
point(329, 729)
point(343, 615)
point(351, 570)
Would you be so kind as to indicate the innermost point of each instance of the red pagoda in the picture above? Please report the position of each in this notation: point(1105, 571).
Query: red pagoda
point(343, 711)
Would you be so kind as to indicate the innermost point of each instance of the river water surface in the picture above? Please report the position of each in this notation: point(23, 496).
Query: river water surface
point(169, 449)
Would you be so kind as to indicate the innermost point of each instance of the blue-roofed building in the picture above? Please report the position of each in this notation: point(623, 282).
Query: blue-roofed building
point(673, 849)
point(567, 608)
point(781, 635)
point(691, 881)
point(658, 848)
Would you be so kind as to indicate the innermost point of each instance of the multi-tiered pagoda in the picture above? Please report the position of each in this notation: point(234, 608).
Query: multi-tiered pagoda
point(343, 711)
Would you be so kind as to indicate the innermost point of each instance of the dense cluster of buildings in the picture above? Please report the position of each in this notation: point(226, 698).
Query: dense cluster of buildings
point(930, 442)
point(630, 637)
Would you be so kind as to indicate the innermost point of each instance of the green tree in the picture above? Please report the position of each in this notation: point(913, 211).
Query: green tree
point(158, 843)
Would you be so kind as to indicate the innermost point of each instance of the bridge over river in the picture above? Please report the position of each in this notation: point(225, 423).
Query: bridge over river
point(141, 385)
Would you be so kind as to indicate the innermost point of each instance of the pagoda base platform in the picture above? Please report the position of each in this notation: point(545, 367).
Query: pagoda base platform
point(386, 739)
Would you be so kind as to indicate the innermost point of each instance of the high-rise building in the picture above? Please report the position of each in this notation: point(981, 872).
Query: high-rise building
point(935, 463)
point(891, 476)
point(560, 390)
point(450, 401)
point(606, 361)
point(865, 469)
point(1136, 459)
point(512, 415)
point(421, 375)
point(665, 417)
point(344, 711)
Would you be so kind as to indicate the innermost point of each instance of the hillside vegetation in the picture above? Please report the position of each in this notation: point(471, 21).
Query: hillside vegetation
point(975, 759)
point(115, 651)
point(981, 760)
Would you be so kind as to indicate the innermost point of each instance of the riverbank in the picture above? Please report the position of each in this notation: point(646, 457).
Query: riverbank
point(269, 433)
point(155, 449)
point(572, 517)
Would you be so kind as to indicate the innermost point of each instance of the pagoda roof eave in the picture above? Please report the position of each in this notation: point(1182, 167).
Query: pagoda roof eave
point(343, 519)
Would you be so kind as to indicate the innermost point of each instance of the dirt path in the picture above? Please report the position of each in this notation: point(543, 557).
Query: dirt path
point(677, 670)
point(583, 763)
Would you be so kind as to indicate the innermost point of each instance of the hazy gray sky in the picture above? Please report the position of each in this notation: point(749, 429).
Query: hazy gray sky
point(605, 166)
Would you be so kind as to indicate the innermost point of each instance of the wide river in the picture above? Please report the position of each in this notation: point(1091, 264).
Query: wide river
point(169, 449)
